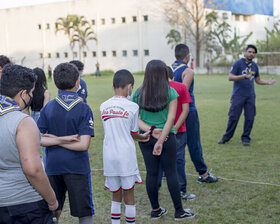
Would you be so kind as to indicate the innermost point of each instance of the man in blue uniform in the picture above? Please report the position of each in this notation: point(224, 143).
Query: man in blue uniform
point(82, 90)
point(243, 72)
point(67, 165)
point(182, 73)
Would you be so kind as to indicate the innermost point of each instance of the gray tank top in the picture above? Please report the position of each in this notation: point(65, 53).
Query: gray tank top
point(14, 186)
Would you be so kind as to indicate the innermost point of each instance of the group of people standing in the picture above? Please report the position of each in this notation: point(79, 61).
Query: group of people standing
point(163, 120)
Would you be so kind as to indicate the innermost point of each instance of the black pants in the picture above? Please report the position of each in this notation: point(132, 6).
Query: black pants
point(168, 161)
point(28, 213)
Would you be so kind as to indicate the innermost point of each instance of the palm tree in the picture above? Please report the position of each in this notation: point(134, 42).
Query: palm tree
point(78, 29)
point(66, 25)
point(82, 33)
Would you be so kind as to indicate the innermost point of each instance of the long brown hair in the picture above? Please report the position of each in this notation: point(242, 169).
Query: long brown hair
point(153, 94)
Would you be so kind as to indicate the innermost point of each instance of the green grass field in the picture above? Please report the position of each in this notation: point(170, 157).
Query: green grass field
point(249, 187)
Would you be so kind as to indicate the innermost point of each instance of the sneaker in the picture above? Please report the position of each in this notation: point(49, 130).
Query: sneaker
point(158, 214)
point(246, 143)
point(186, 214)
point(221, 141)
point(187, 196)
point(209, 179)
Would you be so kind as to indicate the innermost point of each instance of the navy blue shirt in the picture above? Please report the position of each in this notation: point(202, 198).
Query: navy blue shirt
point(244, 87)
point(82, 91)
point(178, 69)
point(62, 116)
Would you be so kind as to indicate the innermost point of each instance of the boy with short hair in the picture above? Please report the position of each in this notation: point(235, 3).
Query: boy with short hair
point(120, 122)
point(82, 90)
point(67, 165)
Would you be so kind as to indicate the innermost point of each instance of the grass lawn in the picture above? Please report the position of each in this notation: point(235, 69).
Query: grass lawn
point(249, 187)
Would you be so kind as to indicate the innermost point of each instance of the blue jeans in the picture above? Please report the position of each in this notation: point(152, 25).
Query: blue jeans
point(181, 142)
point(237, 105)
point(193, 142)
point(36, 115)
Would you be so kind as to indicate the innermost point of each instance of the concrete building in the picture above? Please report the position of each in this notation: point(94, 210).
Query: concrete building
point(129, 33)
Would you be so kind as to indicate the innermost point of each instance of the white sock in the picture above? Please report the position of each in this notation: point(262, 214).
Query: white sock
point(86, 220)
point(130, 213)
point(116, 212)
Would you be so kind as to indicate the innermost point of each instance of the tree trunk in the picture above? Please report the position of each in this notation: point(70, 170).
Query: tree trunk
point(197, 53)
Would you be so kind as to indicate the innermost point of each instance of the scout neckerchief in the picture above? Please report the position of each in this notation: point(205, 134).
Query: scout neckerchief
point(67, 100)
point(249, 69)
point(178, 64)
point(7, 105)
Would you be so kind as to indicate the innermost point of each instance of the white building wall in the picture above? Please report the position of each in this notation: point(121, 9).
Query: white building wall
point(23, 41)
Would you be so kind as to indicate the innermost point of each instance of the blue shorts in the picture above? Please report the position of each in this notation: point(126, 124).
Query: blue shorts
point(28, 213)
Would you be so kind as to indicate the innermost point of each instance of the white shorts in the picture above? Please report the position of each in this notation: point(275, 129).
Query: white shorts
point(115, 183)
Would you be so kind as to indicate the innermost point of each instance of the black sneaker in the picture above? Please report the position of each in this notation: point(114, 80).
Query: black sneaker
point(246, 143)
point(186, 214)
point(158, 214)
point(209, 179)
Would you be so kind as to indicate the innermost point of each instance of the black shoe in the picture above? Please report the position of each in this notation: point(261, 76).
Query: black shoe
point(221, 141)
point(246, 143)
point(186, 214)
point(158, 214)
point(209, 179)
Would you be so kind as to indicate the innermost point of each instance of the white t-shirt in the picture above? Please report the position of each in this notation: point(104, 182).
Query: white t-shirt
point(119, 117)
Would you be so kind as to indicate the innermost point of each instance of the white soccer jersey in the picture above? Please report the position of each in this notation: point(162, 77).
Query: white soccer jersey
point(119, 118)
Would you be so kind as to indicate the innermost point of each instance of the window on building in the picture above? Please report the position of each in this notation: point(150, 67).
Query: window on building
point(65, 54)
point(113, 20)
point(103, 21)
point(237, 17)
point(123, 19)
point(75, 54)
point(41, 55)
point(114, 53)
point(49, 55)
point(124, 53)
point(146, 52)
point(104, 53)
point(57, 55)
point(84, 54)
point(145, 18)
point(39, 26)
point(92, 22)
point(47, 26)
point(225, 15)
point(135, 52)
point(94, 54)
point(245, 17)
point(134, 19)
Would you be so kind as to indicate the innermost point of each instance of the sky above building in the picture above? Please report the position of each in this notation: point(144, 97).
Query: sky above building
point(18, 3)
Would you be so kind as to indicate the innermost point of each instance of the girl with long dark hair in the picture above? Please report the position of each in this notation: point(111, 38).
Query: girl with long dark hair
point(41, 95)
point(158, 104)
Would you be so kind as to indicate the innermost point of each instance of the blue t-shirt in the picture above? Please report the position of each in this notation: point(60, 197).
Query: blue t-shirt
point(178, 69)
point(244, 87)
point(82, 91)
point(62, 116)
